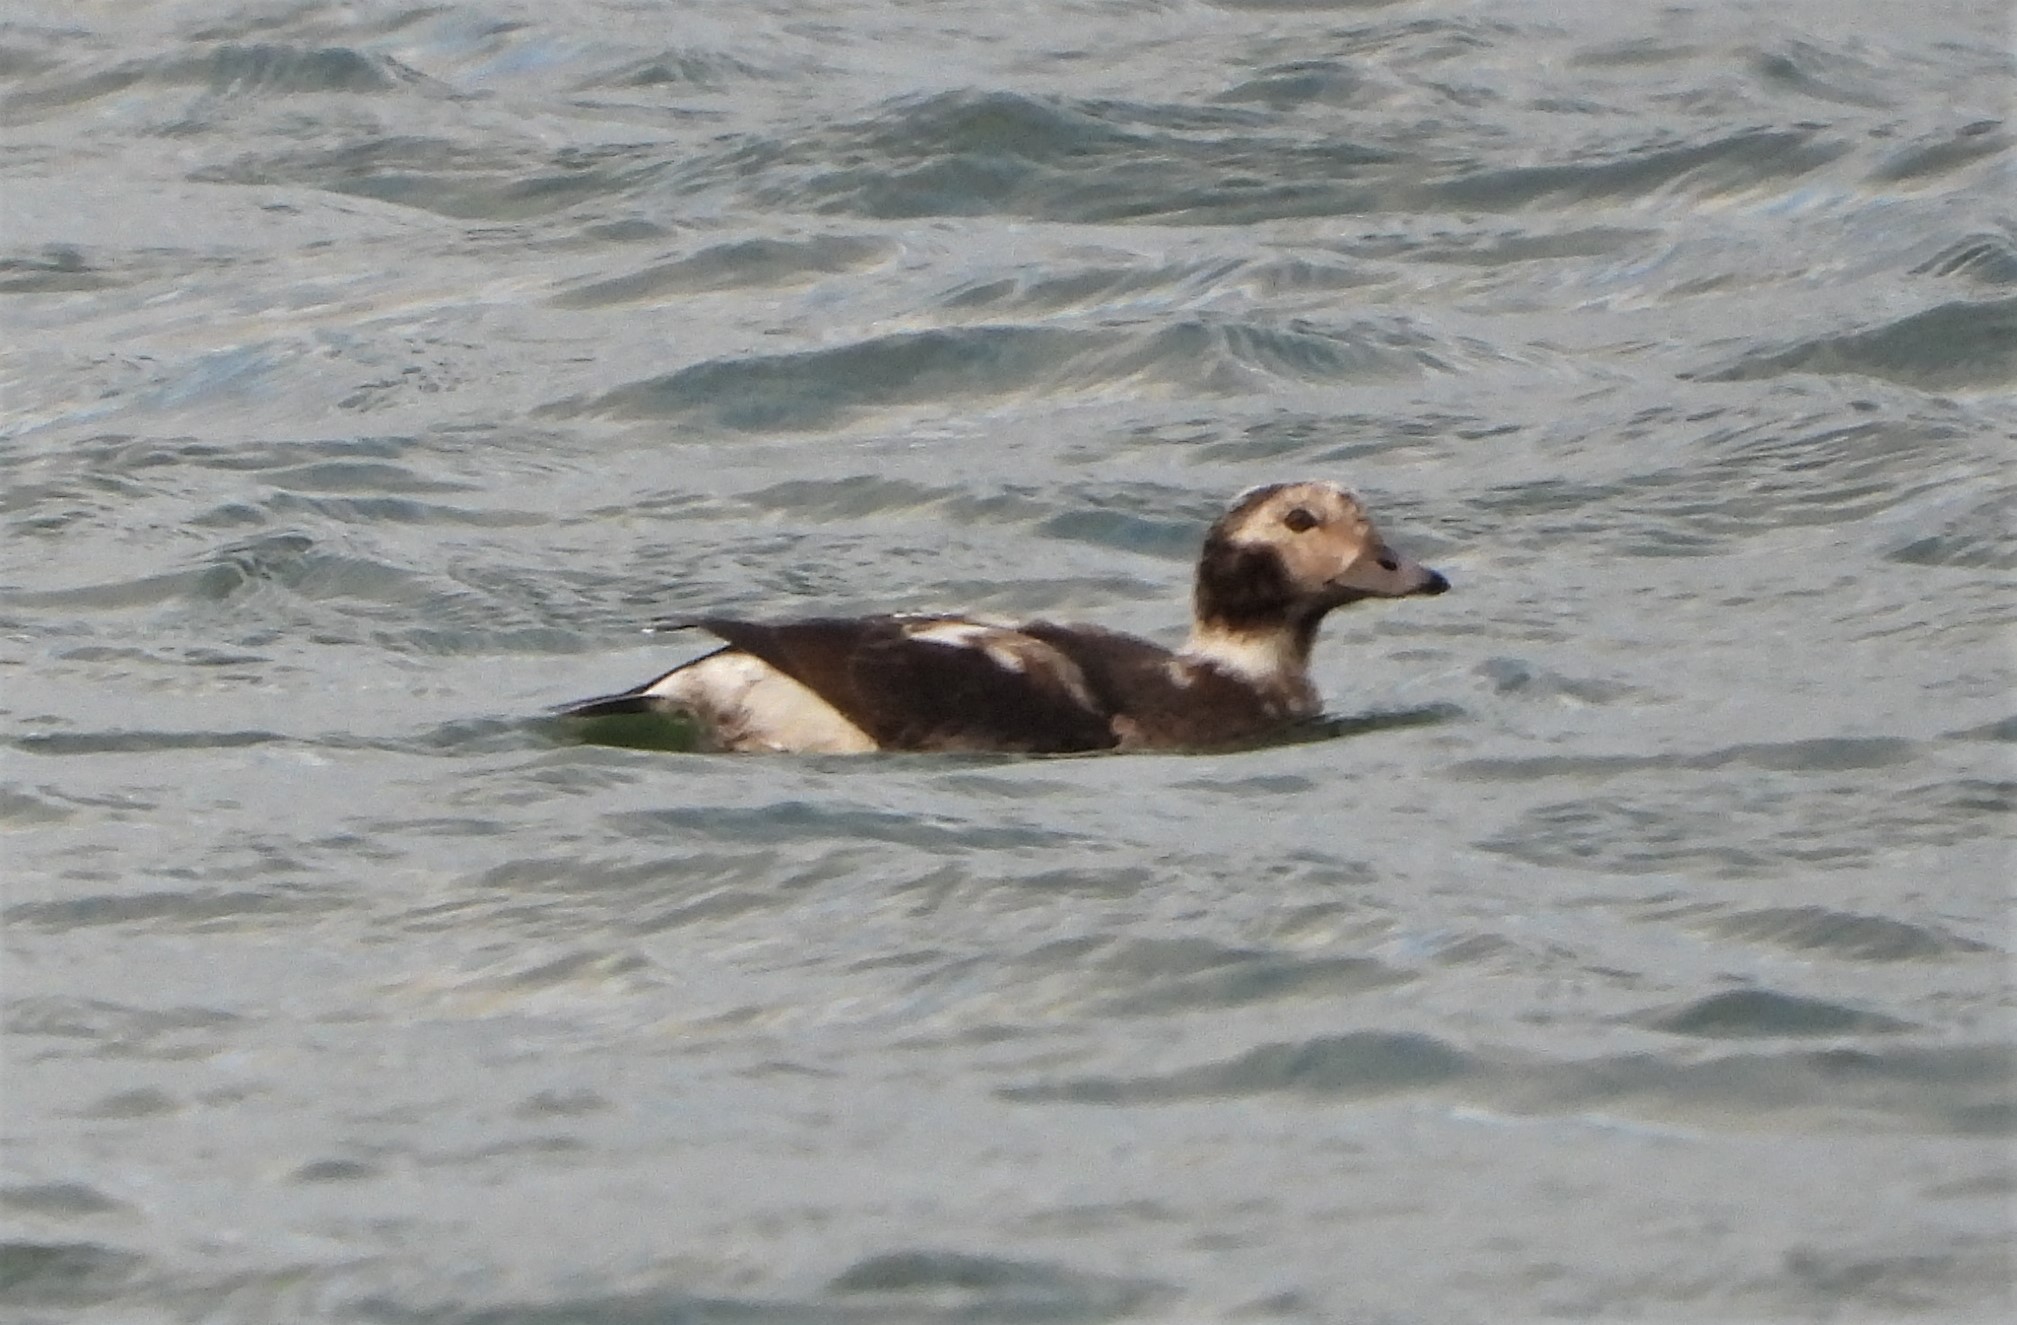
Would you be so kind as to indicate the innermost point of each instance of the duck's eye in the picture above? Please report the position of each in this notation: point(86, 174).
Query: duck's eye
point(1388, 563)
point(1300, 521)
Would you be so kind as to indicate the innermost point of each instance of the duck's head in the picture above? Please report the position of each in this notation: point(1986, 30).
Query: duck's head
point(1285, 554)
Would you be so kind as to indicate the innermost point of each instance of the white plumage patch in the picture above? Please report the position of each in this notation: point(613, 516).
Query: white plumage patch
point(1268, 660)
point(1006, 649)
point(752, 706)
point(965, 635)
point(1012, 651)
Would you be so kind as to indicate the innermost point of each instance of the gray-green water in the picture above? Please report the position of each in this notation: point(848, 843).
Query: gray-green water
point(371, 372)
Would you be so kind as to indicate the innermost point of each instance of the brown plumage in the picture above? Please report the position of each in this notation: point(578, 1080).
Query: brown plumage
point(1278, 560)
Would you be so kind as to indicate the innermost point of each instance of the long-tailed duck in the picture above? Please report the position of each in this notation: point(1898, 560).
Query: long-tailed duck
point(1279, 559)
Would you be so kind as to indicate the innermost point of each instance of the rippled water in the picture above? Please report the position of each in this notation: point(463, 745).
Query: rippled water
point(1638, 949)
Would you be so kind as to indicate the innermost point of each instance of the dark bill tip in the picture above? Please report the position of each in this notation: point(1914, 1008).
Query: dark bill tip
point(1435, 584)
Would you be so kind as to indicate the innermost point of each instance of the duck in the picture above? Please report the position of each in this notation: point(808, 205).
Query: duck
point(1279, 559)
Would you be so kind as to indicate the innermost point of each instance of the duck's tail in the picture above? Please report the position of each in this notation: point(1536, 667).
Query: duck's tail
point(609, 706)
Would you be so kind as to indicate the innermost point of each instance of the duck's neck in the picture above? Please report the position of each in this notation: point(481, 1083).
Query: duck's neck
point(1249, 622)
point(1274, 658)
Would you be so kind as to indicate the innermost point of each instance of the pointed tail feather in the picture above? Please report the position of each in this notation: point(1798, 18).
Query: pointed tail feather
point(609, 706)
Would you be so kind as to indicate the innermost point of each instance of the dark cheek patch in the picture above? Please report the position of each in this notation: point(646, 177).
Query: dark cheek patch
point(1242, 586)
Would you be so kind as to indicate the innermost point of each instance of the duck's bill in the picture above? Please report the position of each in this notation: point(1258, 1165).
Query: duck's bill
point(1384, 573)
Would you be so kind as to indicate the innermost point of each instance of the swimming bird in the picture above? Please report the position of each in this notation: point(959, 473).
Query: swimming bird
point(1272, 566)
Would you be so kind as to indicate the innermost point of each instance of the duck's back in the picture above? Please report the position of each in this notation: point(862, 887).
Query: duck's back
point(934, 683)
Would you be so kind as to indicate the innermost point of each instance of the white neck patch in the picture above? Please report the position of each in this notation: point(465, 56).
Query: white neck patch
point(1267, 659)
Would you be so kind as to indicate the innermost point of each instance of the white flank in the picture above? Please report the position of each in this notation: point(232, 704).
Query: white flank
point(750, 705)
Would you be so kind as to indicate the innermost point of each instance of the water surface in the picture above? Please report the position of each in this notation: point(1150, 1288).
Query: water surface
point(1636, 948)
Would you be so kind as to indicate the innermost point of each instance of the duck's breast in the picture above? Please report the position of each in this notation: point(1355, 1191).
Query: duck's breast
point(1162, 700)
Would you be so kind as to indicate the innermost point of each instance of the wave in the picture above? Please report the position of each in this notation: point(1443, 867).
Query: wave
point(1944, 1089)
point(226, 70)
point(1958, 346)
point(815, 390)
point(738, 265)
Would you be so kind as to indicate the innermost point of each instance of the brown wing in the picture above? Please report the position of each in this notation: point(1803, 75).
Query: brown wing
point(933, 683)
